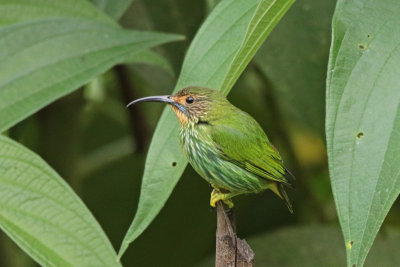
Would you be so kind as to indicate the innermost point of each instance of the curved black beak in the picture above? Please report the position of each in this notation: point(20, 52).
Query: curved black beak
point(159, 98)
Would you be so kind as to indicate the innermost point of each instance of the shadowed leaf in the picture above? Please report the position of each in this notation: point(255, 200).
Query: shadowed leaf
point(114, 8)
point(294, 60)
point(151, 58)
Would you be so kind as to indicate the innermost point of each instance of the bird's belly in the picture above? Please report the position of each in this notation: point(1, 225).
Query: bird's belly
point(222, 174)
point(225, 175)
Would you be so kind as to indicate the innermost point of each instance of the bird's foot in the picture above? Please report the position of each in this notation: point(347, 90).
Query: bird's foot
point(224, 197)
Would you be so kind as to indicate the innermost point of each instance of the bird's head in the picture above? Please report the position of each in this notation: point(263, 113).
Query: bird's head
point(191, 104)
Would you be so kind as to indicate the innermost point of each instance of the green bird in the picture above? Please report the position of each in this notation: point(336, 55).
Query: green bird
point(225, 145)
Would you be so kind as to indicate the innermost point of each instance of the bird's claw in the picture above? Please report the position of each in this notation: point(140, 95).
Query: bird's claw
point(217, 196)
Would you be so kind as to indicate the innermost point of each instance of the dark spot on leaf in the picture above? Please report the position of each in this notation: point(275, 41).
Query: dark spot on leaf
point(351, 242)
point(173, 164)
point(361, 46)
point(354, 265)
point(368, 35)
point(359, 135)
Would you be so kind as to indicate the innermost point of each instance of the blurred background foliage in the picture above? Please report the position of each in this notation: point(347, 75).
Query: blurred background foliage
point(99, 147)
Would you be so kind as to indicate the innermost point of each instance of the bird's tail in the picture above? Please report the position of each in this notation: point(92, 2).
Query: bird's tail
point(289, 175)
point(279, 189)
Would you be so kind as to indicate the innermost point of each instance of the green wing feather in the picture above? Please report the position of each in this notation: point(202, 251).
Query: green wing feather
point(242, 141)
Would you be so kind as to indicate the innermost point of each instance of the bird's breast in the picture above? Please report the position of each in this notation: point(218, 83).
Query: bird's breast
point(195, 142)
point(198, 148)
point(205, 158)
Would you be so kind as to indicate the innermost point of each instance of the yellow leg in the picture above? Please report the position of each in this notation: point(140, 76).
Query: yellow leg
point(216, 196)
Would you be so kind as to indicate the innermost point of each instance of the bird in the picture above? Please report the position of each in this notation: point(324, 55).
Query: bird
point(225, 145)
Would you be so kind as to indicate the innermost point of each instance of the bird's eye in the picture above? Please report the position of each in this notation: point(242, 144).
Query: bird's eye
point(189, 99)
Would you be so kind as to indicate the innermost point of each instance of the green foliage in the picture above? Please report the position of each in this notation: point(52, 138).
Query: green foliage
point(215, 59)
point(15, 11)
point(55, 49)
point(114, 8)
point(76, 51)
point(363, 118)
point(41, 213)
point(50, 48)
point(182, 16)
point(151, 58)
point(294, 60)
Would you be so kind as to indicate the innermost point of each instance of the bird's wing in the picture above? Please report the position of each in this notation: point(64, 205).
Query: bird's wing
point(241, 140)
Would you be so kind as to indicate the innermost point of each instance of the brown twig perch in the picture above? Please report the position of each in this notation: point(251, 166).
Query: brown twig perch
point(231, 251)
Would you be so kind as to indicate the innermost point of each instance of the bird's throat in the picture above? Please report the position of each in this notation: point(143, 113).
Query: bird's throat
point(182, 118)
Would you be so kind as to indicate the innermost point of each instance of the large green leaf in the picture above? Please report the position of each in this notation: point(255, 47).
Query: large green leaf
point(51, 57)
point(294, 60)
point(22, 10)
point(363, 118)
point(218, 54)
point(41, 213)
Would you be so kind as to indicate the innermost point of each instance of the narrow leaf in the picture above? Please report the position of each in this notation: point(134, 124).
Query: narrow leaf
point(218, 54)
point(41, 213)
point(266, 16)
point(363, 118)
point(51, 57)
